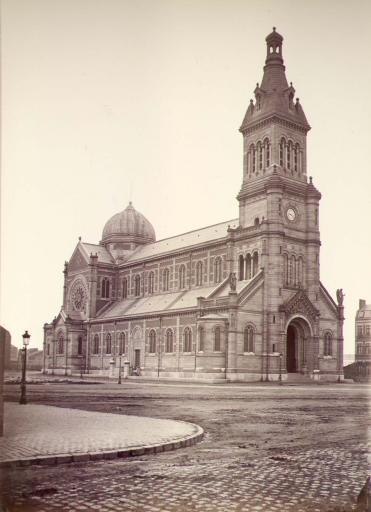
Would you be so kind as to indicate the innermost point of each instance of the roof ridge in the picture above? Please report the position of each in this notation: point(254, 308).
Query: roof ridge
point(194, 230)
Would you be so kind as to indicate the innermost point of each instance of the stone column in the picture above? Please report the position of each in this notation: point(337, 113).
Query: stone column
point(231, 354)
point(340, 343)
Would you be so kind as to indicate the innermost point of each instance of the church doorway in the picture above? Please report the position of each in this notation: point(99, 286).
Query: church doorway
point(298, 343)
point(291, 350)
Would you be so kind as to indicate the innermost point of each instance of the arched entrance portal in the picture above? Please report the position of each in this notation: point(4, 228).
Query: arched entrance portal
point(298, 338)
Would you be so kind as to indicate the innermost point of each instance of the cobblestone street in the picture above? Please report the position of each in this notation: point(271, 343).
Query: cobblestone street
point(266, 448)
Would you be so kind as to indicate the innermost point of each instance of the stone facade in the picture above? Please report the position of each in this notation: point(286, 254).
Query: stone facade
point(241, 300)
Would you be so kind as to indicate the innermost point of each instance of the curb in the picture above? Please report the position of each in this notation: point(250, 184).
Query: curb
point(120, 453)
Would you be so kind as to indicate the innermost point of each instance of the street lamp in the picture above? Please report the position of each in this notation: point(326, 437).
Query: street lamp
point(26, 339)
point(280, 374)
point(119, 381)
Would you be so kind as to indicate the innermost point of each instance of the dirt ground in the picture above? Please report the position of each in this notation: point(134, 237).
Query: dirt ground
point(243, 424)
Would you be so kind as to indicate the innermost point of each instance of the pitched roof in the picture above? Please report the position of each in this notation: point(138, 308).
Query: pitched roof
point(183, 299)
point(196, 237)
point(103, 255)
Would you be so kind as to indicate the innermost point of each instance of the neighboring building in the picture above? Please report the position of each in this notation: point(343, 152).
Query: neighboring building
point(240, 300)
point(360, 370)
point(35, 359)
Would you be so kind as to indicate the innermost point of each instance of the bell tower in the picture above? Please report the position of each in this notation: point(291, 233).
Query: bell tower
point(276, 199)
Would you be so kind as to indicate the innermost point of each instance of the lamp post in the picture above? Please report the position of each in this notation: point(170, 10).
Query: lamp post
point(280, 374)
point(26, 339)
point(119, 381)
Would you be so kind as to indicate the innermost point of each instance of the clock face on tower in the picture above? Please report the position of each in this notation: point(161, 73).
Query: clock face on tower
point(291, 214)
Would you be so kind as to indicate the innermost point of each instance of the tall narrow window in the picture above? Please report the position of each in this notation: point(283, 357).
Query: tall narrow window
point(293, 271)
point(48, 349)
point(152, 341)
point(248, 266)
point(165, 280)
point(248, 339)
point(260, 153)
point(105, 288)
point(285, 270)
point(187, 340)
point(217, 339)
point(300, 272)
point(151, 282)
point(122, 348)
point(267, 153)
point(60, 343)
point(288, 155)
point(79, 346)
point(253, 159)
point(201, 339)
point(182, 272)
point(327, 349)
point(217, 270)
point(255, 263)
point(96, 344)
point(241, 269)
point(281, 151)
point(124, 288)
point(296, 157)
point(169, 347)
point(108, 344)
point(137, 285)
point(199, 276)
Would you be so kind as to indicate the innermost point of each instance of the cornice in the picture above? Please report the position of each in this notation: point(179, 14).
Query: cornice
point(273, 119)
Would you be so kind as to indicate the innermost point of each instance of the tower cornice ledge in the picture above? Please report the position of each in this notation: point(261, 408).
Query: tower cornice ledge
point(273, 118)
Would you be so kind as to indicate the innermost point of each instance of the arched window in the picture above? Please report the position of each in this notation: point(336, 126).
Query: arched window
point(201, 339)
point(217, 270)
point(241, 265)
point(288, 155)
point(296, 157)
point(285, 269)
point(137, 285)
point(165, 279)
point(182, 272)
point(327, 349)
point(299, 276)
point(124, 288)
point(105, 288)
point(248, 266)
point(96, 344)
point(108, 344)
point(248, 339)
point(151, 282)
point(282, 152)
point(292, 270)
point(253, 159)
point(187, 340)
point(79, 346)
point(60, 343)
point(199, 274)
point(48, 349)
point(152, 341)
point(260, 155)
point(217, 339)
point(122, 340)
point(255, 263)
point(169, 347)
point(267, 153)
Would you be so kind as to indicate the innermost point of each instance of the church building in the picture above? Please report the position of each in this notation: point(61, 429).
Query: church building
point(240, 300)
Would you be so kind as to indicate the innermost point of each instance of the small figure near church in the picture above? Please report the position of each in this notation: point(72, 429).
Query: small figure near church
point(340, 296)
point(233, 281)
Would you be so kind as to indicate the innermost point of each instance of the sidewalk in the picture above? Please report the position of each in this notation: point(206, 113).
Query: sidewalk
point(40, 434)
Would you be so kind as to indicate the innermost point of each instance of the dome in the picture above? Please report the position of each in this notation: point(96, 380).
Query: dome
point(128, 225)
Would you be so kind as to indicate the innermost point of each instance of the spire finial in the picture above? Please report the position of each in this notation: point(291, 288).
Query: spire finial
point(274, 29)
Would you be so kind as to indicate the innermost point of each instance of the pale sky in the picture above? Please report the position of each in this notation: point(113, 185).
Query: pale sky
point(107, 101)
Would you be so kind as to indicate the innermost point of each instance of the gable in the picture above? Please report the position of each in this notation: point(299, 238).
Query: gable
point(78, 260)
point(300, 303)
